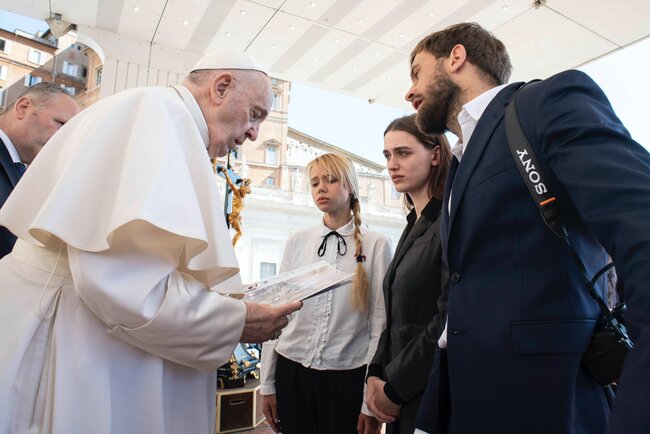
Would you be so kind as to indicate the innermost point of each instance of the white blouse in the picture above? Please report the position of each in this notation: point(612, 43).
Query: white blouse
point(328, 333)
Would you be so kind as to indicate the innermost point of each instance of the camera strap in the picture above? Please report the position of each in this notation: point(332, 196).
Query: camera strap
point(535, 179)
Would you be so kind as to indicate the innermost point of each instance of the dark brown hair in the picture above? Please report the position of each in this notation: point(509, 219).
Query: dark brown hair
point(438, 173)
point(483, 49)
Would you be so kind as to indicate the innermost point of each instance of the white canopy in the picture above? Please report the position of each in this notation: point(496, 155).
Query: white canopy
point(358, 47)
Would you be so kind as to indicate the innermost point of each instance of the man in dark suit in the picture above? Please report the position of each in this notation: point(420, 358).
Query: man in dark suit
point(519, 316)
point(25, 126)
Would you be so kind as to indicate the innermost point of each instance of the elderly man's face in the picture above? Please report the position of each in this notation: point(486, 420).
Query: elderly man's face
point(244, 106)
point(39, 122)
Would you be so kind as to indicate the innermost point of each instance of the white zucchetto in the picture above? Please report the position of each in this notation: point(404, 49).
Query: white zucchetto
point(227, 59)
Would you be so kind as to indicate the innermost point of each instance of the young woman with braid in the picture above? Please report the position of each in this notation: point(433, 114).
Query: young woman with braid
point(313, 374)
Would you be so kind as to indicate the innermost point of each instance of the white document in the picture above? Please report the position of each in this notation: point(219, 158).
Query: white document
point(298, 284)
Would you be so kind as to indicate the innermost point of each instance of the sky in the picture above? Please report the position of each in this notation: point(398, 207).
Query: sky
point(10, 21)
point(355, 125)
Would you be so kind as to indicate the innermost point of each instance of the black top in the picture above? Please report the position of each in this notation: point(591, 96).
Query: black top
point(412, 286)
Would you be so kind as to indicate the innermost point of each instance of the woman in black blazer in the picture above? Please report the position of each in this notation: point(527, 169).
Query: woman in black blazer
point(397, 375)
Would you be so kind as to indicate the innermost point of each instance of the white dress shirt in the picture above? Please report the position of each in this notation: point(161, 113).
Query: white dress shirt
point(328, 333)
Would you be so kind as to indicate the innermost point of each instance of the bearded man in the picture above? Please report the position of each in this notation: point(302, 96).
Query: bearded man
point(519, 314)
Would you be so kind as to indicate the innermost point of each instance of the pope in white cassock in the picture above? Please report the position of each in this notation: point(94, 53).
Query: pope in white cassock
point(107, 323)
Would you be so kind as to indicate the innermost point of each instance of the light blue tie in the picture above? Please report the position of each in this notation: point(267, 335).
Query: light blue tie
point(20, 168)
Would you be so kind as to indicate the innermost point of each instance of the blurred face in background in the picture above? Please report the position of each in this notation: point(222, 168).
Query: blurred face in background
point(38, 121)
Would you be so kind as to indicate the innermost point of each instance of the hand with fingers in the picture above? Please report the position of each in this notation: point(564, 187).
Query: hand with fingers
point(270, 410)
point(265, 322)
point(368, 425)
point(381, 406)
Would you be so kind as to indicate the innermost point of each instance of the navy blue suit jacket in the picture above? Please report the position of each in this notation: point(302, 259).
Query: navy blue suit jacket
point(519, 315)
point(8, 180)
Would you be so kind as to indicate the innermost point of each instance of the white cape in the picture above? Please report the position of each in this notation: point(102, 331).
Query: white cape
point(106, 320)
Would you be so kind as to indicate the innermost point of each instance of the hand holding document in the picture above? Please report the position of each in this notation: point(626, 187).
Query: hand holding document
point(265, 322)
point(297, 284)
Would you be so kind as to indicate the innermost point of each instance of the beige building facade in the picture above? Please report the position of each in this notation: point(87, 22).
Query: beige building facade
point(27, 59)
point(21, 56)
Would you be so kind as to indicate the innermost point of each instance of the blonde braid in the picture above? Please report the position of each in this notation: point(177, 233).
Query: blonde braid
point(360, 283)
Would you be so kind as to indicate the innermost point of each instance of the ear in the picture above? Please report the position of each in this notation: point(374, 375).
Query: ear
point(22, 107)
point(350, 192)
point(435, 157)
point(221, 84)
point(457, 57)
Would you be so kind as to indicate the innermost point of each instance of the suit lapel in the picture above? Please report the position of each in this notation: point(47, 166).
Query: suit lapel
point(444, 227)
point(408, 238)
point(390, 276)
point(486, 125)
point(429, 215)
point(399, 252)
point(400, 247)
point(420, 227)
point(8, 164)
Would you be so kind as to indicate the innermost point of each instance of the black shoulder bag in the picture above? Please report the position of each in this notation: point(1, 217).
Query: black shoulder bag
point(610, 343)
